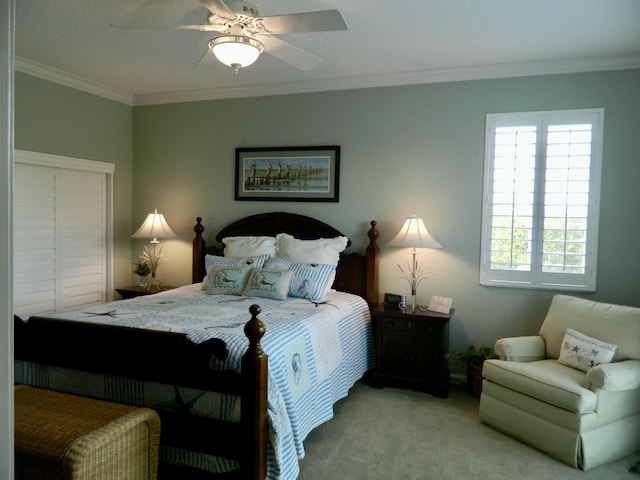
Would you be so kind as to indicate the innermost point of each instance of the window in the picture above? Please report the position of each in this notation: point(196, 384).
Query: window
point(62, 231)
point(541, 199)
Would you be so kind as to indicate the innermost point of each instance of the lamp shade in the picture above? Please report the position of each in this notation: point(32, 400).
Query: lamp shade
point(414, 234)
point(236, 50)
point(154, 226)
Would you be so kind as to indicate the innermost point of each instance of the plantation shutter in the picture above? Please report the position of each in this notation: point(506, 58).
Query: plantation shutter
point(61, 235)
point(541, 199)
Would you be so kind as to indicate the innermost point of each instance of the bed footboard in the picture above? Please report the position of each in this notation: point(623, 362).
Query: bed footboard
point(169, 358)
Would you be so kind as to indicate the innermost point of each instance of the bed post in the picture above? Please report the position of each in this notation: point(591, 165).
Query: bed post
point(373, 262)
point(197, 265)
point(253, 406)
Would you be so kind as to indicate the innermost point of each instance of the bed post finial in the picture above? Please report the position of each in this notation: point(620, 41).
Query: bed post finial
point(253, 407)
point(198, 228)
point(197, 260)
point(254, 330)
point(373, 265)
point(373, 232)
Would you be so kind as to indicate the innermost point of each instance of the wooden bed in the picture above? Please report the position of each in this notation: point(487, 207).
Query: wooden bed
point(172, 359)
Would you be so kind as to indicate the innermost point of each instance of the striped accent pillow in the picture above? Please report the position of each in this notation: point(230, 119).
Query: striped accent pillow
point(310, 280)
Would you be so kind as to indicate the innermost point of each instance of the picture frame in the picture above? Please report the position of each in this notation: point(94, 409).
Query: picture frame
point(299, 174)
point(440, 304)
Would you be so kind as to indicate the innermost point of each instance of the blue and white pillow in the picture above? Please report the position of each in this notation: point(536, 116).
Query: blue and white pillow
point(214, 260)
point(256, 262)
point(224, 280)
point(310, 280)
point(268, 283)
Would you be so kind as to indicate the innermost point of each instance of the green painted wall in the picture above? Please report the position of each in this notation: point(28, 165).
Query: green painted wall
point(54, 119)
point(404, 149)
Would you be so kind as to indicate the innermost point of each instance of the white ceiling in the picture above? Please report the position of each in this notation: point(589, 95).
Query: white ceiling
point(387, 43)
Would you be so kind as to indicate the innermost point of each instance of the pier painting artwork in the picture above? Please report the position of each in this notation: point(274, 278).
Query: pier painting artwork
point(308, 174)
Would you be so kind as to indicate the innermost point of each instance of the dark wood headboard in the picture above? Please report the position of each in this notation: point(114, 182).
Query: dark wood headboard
point(356, 273)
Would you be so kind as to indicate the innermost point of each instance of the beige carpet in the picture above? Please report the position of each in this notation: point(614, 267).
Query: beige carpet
point(401, 434)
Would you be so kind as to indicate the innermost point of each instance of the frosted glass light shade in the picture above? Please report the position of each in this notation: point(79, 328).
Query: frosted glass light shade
point(236, 50)
point(414, 234)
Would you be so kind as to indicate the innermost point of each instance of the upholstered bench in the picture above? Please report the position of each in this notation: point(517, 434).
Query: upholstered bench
point(68, 437)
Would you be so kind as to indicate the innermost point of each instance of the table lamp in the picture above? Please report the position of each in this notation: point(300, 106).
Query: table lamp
point(154, 227)
point(413, 234)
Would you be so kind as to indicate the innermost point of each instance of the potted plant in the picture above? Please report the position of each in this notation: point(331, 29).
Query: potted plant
point(473, 357)
point(142, 270)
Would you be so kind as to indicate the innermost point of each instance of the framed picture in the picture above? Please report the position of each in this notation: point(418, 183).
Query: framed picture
point(301, 174)
point(440, 304)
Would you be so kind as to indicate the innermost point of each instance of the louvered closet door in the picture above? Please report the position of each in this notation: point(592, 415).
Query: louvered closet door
point(59, 239)
point(34, 249)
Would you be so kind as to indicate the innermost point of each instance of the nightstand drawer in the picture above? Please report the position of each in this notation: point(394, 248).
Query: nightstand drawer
point(409, 325)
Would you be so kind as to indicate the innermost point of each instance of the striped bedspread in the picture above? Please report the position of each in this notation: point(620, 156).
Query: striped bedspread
point(316, 353)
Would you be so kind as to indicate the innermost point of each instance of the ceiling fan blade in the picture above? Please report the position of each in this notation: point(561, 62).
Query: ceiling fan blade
point(291, 54)
point(202, 28)
point(325, 21)
point(219, 8)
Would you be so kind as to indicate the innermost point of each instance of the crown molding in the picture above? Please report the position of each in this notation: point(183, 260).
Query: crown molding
point(41, 71)
point(554, 67)
point(486, 72)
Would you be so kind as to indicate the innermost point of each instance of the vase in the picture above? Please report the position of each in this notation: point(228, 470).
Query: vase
point(143, 280)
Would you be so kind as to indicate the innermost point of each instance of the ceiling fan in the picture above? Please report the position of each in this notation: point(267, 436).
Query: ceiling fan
point(243, 33)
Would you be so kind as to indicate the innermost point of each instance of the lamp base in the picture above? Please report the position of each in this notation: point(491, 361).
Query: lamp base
point(153, 284)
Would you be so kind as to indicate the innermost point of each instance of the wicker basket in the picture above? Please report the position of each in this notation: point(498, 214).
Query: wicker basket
point(67, 437)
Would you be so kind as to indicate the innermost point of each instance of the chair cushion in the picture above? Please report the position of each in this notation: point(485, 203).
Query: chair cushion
point(546, 380)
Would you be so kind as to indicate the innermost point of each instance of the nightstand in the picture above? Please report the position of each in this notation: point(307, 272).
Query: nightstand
point(411, 349)
point(138, 291)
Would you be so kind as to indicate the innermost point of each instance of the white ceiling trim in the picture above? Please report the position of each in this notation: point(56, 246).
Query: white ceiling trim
point(388, 80)
point(37, 70)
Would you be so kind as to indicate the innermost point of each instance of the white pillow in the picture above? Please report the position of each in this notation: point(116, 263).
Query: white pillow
point(582, 352)
point(249, 246)
point(324, 250)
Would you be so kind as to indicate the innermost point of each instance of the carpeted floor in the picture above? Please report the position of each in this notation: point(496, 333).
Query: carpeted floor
point(401, 434)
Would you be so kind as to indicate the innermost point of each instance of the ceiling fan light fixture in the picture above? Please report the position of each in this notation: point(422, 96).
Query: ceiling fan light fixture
point(236, 51)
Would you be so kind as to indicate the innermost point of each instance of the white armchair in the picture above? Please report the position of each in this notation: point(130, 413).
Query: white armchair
point(583, 417)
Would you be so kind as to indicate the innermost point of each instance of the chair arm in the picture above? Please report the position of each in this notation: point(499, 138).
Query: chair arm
point(520, 349)
point(624, 375)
